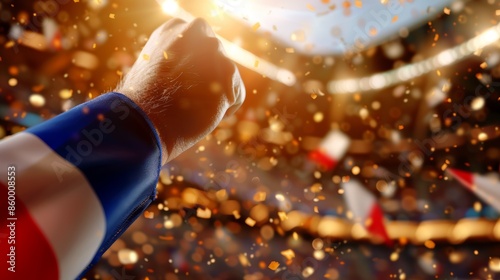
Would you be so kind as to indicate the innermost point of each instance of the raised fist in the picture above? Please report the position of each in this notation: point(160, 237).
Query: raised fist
point(184, 83)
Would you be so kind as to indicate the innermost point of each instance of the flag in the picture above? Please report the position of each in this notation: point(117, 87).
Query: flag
point(365, 209)
point(485, 187)
point(52, 33)
point(70, 186)
point(331, 149)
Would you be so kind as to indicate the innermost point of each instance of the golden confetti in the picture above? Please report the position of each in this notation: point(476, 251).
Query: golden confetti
point(429, 244)
point(310, 7)
point(112, 16)
point(256, 26)
point(477, 206)
point(477, 103)
point(260, 196)
point(149, 215)
point(203, 213)
point(249, 221)
point(9, 44)
point(243, 260)
point(482, 136)
point(318, 117)
point(65, 93)
point(165, 54)
point(37, 100)
point(355, 170)
point(145, 57)
point(282, 216)
point(256, 63)
point(494, 264)
point(280, 197)
point(127, 256)
point(447, 10)
point(289, 254)
point(274, 265)
point(394, 256)
point(236, 214)
point(12, 82)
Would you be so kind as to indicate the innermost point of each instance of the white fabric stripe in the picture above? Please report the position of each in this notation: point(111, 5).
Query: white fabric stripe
point(358, 199)
point(59, 199)
point(335, 144)
point(488, 189)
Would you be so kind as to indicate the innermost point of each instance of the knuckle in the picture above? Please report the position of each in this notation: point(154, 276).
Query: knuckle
point(200, 27)
point(167, 26)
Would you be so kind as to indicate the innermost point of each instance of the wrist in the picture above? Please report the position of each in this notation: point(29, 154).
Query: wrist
point(151, 118)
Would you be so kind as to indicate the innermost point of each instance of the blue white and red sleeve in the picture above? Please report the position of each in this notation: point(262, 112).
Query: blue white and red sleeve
point(76, 182)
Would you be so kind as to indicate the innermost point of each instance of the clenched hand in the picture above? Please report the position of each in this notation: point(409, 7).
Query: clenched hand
point(184, 83)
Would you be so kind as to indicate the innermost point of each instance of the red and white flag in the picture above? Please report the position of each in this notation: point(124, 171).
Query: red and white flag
point(52, 33)
point(365, 209)
point(331, 149)
point(485, 187)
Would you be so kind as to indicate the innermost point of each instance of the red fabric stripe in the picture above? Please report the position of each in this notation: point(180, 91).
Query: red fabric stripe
point(466, 178)
point(322, 160)
point(377, 226)
point(34, 258)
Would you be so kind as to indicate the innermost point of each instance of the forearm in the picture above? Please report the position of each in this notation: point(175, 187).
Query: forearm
point(82, 178)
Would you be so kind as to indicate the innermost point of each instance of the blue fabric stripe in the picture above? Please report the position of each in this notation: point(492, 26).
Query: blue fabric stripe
point(111, 140)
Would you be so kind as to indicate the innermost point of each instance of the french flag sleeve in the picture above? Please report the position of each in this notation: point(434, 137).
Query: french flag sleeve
point(72, 185)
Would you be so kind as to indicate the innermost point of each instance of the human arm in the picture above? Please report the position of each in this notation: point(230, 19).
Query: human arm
point(82, 177)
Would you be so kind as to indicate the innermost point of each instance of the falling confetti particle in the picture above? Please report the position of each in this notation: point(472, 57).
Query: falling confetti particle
point(256, 26)
point(494, 264)
point(65, 93)
point(12, 82)
point(289, 254)
point(482, 136)
point(37, 100)
point(127, 256)
point(251, 222)
point(310, 7)
point(477, 103)
point(274, 265)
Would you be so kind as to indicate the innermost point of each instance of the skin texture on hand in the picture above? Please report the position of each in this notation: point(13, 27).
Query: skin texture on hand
point(184, 83)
